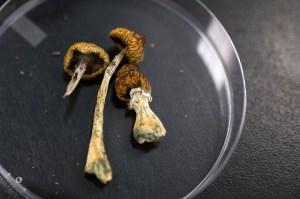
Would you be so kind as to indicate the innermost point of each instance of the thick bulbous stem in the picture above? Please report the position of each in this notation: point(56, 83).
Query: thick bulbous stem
point(147, 127)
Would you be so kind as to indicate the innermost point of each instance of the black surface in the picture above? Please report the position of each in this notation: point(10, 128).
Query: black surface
point(49, 135)
point(266, 162)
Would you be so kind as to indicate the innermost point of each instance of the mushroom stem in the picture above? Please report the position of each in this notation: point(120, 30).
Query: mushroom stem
point(147, 127)
point(79, 71)
point(97, 162)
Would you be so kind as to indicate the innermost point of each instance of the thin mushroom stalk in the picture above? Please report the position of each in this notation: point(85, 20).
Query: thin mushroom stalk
point(79, 71)
point(97, 162)
point(147, 127)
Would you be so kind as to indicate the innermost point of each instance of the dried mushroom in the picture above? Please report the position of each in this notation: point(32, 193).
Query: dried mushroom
point(87, 61)
point(133, 41)
point(97, 162)
point(133, 88)
point(84, 61)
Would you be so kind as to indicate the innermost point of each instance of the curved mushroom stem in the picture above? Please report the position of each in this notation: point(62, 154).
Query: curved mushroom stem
point(79, 71)
point(97, 162)
point(147, 127)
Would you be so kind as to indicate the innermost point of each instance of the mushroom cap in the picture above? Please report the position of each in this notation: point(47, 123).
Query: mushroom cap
point(94, 53)
point(134, 42)
point(127, 78)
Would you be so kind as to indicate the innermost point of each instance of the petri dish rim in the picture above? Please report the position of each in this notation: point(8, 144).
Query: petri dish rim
point(237, 110)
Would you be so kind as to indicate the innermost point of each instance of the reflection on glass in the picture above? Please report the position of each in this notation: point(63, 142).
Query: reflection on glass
point(214, 31)
point(215, 65)
point(23, 25)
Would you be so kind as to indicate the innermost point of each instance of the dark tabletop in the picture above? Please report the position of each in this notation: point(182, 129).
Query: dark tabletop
point(266, 162)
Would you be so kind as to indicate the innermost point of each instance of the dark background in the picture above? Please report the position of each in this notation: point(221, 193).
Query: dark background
point(266, 163)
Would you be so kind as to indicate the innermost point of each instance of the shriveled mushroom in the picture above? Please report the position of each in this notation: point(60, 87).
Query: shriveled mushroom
point(133, 88)
point(134, 42)
point(84, 61)
point(97, 162)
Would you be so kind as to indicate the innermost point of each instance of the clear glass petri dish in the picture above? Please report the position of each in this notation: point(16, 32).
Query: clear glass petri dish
point(198, 93)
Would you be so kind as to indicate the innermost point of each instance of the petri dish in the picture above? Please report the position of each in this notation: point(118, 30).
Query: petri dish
point(198, 93)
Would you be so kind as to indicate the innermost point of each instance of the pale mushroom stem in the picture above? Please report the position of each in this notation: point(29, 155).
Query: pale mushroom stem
point(97, 162)
point(79, 71)
point(147, 127)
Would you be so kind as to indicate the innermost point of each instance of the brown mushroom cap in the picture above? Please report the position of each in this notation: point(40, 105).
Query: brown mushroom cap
point(128, 77)
point(134, 42)
point(96, 58)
